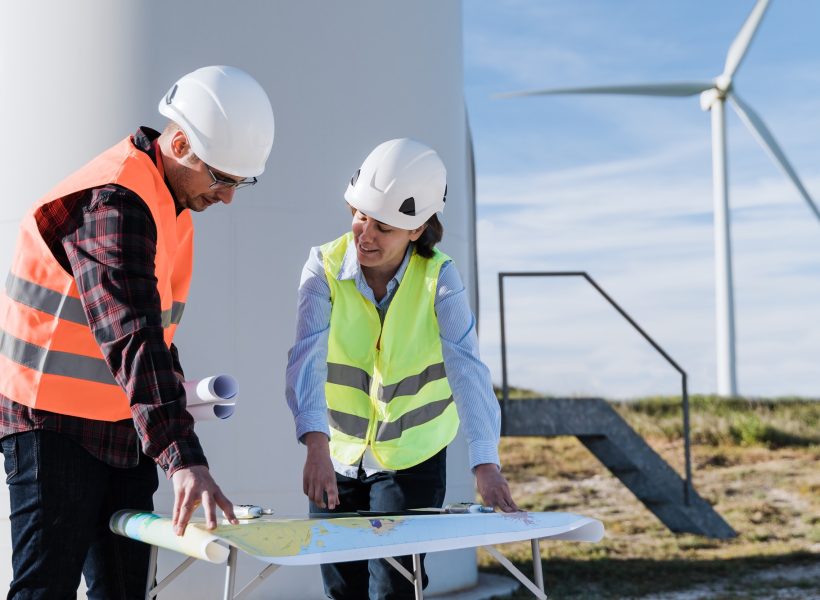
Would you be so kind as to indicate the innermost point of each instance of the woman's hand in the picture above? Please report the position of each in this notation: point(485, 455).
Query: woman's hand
point(493, 488)
point(318, 477)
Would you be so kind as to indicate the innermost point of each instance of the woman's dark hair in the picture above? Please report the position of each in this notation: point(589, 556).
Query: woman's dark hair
point(429, 238)
point(432, 235)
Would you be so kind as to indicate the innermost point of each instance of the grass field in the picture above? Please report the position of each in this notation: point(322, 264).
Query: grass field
point(755, 461)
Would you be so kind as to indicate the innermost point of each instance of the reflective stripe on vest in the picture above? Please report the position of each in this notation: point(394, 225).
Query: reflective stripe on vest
point(49, 358)
point(354, 426)
point(360, 380)
point(53, 362)
point(386, 385)
point(66, 307)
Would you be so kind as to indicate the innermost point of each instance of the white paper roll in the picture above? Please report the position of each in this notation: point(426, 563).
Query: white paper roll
point(212, 398)
point(216, 387)
point(211, 411)
point(157, 531)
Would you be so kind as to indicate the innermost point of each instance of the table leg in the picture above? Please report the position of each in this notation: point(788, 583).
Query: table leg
point(538, 573)
point(152, 572)
point(418, 580)
point(505, 562)
point(255, 582)
point(230, 575)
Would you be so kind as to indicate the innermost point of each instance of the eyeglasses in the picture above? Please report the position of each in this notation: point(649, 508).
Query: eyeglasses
point(221, 182)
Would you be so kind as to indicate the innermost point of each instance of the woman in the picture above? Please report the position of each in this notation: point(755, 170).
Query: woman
point(386, 362)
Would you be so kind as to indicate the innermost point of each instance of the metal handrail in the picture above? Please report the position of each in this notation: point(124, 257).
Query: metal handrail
point(505, 387)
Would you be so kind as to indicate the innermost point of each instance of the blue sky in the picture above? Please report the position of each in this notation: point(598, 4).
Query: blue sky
point(620, 187)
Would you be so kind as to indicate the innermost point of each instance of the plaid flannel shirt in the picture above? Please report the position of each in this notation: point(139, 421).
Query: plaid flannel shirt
point(106, 237)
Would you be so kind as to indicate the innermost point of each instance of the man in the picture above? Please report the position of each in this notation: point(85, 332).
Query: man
point(90, 382)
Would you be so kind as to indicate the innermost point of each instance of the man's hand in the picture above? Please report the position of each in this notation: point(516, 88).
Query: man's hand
point(194, 486)
point(318, 477)
point(493, 488)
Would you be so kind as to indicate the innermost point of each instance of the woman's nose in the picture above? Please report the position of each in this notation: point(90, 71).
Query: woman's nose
point(367, 229)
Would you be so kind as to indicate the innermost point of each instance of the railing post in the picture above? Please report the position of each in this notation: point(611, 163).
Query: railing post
point(687, 451)
point(505, 391)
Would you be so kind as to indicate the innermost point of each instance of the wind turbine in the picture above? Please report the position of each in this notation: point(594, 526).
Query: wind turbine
point(713, 96)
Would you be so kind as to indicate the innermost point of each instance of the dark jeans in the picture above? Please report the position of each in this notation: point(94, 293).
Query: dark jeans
point(61, 499)
point(421, 486)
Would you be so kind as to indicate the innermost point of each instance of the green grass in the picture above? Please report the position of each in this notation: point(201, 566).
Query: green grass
point(779, 423)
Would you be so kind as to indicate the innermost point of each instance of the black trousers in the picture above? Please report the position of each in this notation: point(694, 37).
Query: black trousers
point(61, 499)
point(421, 486)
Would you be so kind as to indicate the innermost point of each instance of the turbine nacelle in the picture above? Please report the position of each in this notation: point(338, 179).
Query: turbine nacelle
point(709, 97)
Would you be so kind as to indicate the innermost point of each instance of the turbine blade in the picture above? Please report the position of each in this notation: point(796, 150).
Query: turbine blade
point(766, 139)
point(688, 88)
point(743, 39)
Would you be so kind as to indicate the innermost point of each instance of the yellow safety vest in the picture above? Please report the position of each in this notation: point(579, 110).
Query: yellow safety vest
point(386, 386)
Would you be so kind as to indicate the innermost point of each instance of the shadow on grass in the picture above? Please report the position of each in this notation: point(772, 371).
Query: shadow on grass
point(629, 578)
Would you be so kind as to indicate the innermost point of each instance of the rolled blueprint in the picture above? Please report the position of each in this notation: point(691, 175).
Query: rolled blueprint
point(158, 531)
point(216, 387)
point(211, 411)
point(212, 398)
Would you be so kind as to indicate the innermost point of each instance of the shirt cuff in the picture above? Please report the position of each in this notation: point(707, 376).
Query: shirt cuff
point(311, 421)
point(181, 455)
point(481, 452)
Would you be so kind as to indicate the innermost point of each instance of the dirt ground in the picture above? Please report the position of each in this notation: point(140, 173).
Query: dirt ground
point(771, 497)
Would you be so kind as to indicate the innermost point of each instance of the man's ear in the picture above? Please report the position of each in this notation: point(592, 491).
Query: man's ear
point(179, 144)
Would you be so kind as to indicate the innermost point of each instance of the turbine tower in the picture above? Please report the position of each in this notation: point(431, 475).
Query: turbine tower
point(713, 96)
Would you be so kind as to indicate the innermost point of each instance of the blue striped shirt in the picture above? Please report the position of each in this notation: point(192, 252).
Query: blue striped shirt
point(469, 378)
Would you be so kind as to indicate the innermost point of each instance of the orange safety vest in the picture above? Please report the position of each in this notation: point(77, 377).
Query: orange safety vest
point(49, 358)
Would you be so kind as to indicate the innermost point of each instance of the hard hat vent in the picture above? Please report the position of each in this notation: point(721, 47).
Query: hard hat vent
point(169, 97)
point(408, 207)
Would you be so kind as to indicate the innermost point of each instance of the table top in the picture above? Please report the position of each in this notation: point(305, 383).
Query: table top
point(307, 541)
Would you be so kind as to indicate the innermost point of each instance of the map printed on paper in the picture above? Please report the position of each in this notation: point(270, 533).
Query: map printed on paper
point(303, 541)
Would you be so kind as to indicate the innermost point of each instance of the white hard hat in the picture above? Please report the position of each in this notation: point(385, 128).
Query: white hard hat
point(401, 183)
point(226, 116)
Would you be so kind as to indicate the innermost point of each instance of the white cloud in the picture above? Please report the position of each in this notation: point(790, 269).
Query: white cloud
point(647, 239)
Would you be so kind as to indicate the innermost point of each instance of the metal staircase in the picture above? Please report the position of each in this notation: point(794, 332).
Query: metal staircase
point(604, 432)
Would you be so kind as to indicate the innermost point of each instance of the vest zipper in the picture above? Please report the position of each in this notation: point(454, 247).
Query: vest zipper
point(375, 384)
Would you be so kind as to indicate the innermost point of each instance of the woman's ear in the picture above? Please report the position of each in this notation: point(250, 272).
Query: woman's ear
point(415, 234)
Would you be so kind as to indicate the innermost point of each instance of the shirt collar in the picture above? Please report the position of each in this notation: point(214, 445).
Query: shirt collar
point(352, 270)
point(146, 139)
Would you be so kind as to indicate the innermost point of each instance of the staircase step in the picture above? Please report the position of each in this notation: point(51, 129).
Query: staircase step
point(626, 454)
